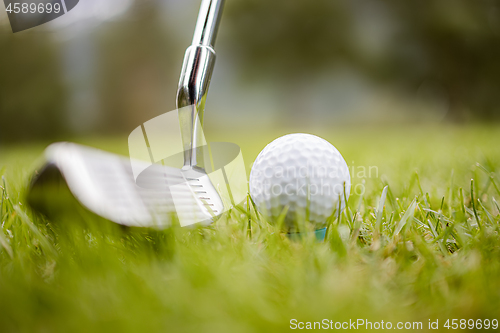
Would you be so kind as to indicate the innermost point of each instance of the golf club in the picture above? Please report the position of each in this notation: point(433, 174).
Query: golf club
point(105, 183)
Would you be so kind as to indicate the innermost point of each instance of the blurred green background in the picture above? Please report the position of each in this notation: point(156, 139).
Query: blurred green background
point(410, 87)
point(107, 66)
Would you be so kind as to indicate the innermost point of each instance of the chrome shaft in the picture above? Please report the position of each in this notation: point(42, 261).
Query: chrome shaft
point(196, 73)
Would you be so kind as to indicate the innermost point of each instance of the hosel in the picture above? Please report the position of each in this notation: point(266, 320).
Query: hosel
point(196, 73)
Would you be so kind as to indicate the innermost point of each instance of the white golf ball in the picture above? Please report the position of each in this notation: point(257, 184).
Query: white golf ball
point(303, 172)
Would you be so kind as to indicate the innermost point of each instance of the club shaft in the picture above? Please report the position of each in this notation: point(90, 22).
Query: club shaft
point(208, 22)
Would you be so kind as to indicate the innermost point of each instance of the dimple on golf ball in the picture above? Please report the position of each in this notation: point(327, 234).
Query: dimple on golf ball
point(302, 173)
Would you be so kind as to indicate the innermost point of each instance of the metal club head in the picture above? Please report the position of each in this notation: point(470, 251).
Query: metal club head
point(105, 184)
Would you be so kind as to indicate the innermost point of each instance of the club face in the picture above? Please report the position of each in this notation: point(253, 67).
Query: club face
point(103, 183)
point(204, 191)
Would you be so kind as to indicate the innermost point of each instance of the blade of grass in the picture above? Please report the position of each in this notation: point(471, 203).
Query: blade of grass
point(462, 201)
point(46, 245)
point(491, 177)
point(281, 218)
point(451, 196)
point(496, 205)
point(357, 222)
point(249, 217)
point(5, 244)
point(408, 215)
point(473, 203)
point(490, 218)
point(380, 209)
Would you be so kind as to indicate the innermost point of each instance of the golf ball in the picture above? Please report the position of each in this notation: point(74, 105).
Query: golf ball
point(302, 174)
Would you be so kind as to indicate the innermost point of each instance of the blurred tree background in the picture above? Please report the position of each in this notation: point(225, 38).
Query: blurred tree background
point(449, 48)
point(444, 51)
point(32, 94)
point(137, 73)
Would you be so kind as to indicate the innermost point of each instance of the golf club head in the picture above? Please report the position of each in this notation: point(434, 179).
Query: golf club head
point(104, 184)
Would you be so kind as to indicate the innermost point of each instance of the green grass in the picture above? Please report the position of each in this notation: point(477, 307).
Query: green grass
point(430, 250)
